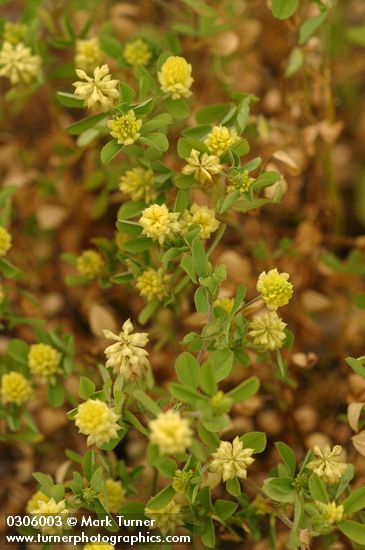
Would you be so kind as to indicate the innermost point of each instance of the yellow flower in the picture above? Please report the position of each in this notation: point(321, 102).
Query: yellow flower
point(224, 303)
point(175, 77)
point(18, 64)
point(165, 519)
point(139, 183)
point(15, 388)
point(96, 420)
point(5, 241)
point(90, 264)
point(33, 502)
point(14, 32)
point(275, 288)
point(181, 480)
point(330, 512)
point(220, 139)
point(158, 223)
point(170, 432)
point(99, 546)
point(99, 91)
point(125, 129)
point(113, 495)
point(327, 465)
point(88, 54)
point(202, 216)
point(203, 167)
point(127, 355)
point(154, 284)
point(43, 360)
point(267, 331)
point(52, 508)
point(231, 460)
point(137, 52)
point(239, 181)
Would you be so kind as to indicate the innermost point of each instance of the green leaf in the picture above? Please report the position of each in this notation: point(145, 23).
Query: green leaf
point(84, 124)
point(178, 108)
point(246, 389)
point(233, 487)
point(254, 440)
point(110, 46)
point(208, 535)
point(186, 394)
point(138, 245)
point(287, 456)
point(201, 300)
point(279, 489)
point(130, 228)
point(69, 100)
point(8, 270)
point(207, 378)
point(58, 492)
point(222, 363)
point(161, 499)
point(226, 202)
point(86, 388)
point(200, 260)
point(209, 438)
point(265, 180)
point(309, 27)
point(224, 508)
point(353, 530)
point(187, 370)
point(97, 479)
point(87, 464)
point(122, 278)
point(295, 61)
point(356, 366)
point(55, 394)
point(359, 300)
point(166, 466)
point(110, 150)
point(355, 501)
point(188, 266)
point(147, 402)
point(157, 140)
point(243, 112)
point(127, 92)
point(212, 113)
point(317, 489)
point(18, 350)
point(283, 9)
point(200, 7)
point(148, 311)
point(45, 481)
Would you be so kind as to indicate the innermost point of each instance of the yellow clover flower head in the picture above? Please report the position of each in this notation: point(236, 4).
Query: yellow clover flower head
point(220, 139)
point(18, 64)
point(327, 464)
point(99, 92)
point(170, 432)
point(231, 460)
point(181, 480)
point(137, 52)
point(5, 241)
point(127, 355)
point(275, 288)
point(267, 331)
point(14, 32)
point(44, 361)
point(158, 223)
point(15, 388)
point(239, 181)
point(52, 508)
point(166, 519)
point(203, 167)
point(98, 421)
point(88, 54)
point(139, 183)
point(330, 512)
point(125, 129)
point(154, 284)
point(221, 403)
point(113, 495)
point(33, 502)
point(202, 216)
point(90, 264)
point(175, 77)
